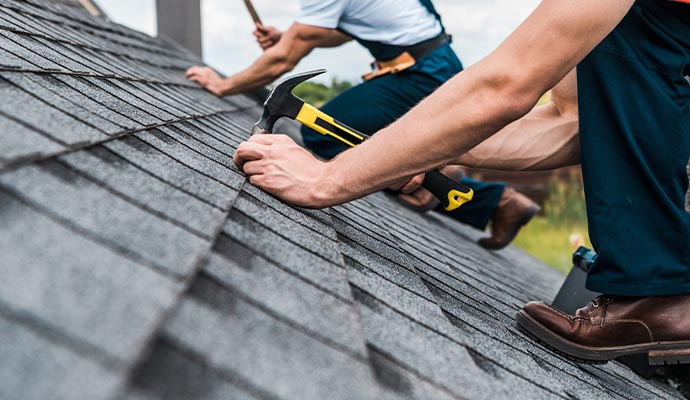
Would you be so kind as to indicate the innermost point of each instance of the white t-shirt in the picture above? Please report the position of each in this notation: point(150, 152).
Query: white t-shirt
point(395, 22)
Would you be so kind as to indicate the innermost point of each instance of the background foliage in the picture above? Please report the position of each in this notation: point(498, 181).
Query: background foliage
point(317, 93)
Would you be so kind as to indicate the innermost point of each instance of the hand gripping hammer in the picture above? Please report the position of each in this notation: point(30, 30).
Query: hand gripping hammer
point(282, 103)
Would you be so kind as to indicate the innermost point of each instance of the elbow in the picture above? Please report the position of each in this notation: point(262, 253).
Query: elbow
point(516, 92)
point(281, 63)
point(521, 97)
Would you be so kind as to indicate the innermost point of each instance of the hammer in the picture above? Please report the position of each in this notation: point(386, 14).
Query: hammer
point(282, 103)
point(252, 11)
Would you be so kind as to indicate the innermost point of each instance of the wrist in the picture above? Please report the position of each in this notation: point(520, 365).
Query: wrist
point(330, 188)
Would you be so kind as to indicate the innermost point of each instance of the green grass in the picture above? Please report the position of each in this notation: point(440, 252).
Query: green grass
point(549, 237)
point(550, 241)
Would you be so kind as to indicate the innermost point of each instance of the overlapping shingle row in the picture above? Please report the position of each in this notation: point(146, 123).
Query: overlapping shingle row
point(138, 263)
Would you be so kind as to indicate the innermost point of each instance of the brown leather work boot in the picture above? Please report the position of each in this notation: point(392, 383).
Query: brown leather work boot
point(514, 210)
point(611, 327)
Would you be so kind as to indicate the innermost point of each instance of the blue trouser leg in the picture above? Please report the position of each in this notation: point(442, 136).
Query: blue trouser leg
point(635, 145)
point(372, 105)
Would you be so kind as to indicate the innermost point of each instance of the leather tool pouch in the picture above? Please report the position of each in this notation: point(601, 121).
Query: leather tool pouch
point(399, 63)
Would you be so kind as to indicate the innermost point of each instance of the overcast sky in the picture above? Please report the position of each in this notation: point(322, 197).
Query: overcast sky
point(478, 26)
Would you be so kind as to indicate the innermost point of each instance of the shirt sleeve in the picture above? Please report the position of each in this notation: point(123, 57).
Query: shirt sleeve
point(321, 13)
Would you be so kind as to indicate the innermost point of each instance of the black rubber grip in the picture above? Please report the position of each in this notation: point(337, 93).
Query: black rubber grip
point(440, 186)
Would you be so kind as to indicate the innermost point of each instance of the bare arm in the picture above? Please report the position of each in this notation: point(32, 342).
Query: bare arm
point(294, 44)
point(546, 138)
point(481, 100)
point(462, 113)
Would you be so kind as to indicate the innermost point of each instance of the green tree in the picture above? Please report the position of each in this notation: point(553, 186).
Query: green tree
point(318, 93)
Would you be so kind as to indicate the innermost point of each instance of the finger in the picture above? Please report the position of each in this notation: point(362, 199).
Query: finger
point(198, 79)
point(196, 70)
point(413, 184)
point(265, 140)
point(258, 181)
point(246, 152)
point(396, 187)
point(254, 167)
point(282, 138)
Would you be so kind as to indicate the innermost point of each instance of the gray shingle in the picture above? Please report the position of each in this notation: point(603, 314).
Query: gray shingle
point(112, 103)
point(10, 42)
point(49, 90)
point(51, 51)
point(34, 368)
point(424, 351)
point(312, 268)
point(41, 116)
point(10, 61)
point(365, 300)
point(120, 175)
point(201, 143)
point(333, 319)
point(75, 285)
point(180, 150)
point(21, 142)
point(114, 122)
point(107, 217)
point(170, 375)
point(317, 242)
point(175, 173)
point(270, 350)
point(9, 21)
point(302, 216)
point(107, 86)
point(365, 262)
point(157, 103)
point(220, 130)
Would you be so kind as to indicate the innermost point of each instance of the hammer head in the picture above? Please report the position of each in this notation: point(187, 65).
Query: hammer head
point(282, 103)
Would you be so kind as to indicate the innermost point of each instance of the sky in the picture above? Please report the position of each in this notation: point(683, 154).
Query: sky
point(477, 26)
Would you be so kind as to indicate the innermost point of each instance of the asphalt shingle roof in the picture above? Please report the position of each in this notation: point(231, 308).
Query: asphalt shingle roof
point(138, 263)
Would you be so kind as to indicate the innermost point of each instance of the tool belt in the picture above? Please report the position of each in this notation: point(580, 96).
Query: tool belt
point(407, 58)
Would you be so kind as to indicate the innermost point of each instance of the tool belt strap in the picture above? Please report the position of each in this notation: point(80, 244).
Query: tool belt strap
point(407, 58)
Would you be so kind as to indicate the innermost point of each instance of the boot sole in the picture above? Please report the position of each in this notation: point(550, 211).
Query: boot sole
point(659, 353)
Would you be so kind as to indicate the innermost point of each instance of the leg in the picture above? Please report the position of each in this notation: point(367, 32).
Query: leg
point(634, 125)
point(635, 147)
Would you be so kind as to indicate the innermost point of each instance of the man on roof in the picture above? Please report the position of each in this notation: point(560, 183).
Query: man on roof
point(404, 35)
point(632, 58)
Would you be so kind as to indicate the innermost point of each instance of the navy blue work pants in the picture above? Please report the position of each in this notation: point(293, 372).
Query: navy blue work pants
point(375, 104)
point(635, 145)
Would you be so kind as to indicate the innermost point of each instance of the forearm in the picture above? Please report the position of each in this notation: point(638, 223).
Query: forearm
point(458, 116)
point(270, 66)
point(482, 100)
point(294, 44)
point(545, 138)
point(541, 140)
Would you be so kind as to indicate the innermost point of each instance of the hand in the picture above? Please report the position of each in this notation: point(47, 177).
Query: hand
point(267, 36)
point(278, 165)
point(207, 78)
point(409, 186)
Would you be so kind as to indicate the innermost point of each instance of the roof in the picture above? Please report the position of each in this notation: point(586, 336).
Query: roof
point(138, 263)
point(90, 5)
